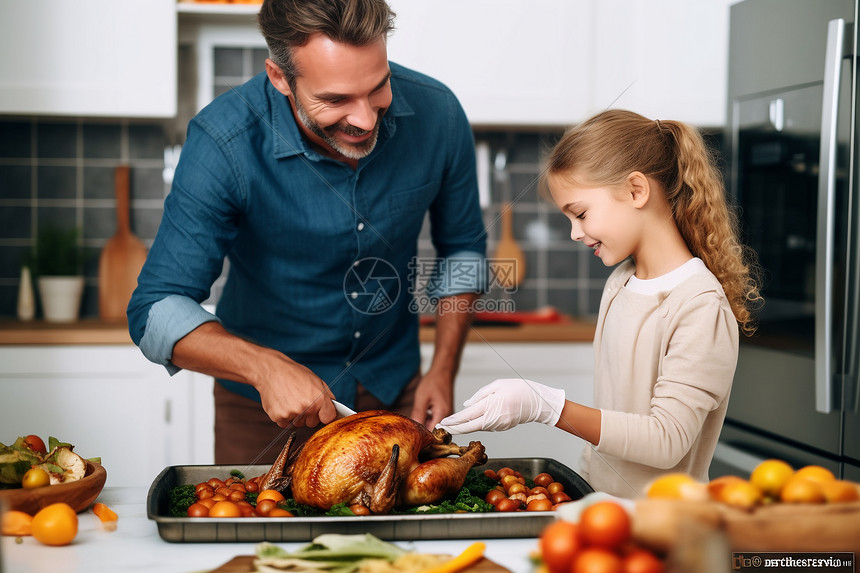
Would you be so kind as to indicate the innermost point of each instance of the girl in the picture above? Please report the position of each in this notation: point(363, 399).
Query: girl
point(644, 195)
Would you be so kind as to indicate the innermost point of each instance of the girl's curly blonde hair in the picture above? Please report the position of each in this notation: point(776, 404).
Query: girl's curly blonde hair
point(608, 147)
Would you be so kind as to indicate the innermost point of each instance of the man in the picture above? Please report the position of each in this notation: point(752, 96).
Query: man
point(314, 180)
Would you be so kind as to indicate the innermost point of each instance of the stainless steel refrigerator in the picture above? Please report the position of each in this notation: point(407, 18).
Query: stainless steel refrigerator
point(792, 152)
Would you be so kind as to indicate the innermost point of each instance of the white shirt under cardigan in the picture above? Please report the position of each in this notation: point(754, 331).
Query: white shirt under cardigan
point(665, 352)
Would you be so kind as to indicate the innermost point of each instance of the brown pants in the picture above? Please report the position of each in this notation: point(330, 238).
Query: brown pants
point(244, 433)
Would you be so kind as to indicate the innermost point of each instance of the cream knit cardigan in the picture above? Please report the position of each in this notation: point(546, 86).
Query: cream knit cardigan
point(663, 373)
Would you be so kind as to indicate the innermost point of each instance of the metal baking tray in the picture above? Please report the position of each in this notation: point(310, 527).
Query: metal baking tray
point(388, 527)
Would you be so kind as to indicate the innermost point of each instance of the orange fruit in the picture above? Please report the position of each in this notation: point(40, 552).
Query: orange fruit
point(225, 509)
point(840, 490)
point(799, 489)
point(35, 477)
point(272, 494)
point(816, 473)
point(16, 523)
point(677, 486)
point(56, 524)
point(770, 476)
point(741, 494)
point(605, 524)
point(597, 560)
point(559, 543)
point(717, 485)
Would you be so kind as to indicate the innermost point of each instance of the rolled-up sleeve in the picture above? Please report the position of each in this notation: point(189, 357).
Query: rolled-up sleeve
point(169, 320)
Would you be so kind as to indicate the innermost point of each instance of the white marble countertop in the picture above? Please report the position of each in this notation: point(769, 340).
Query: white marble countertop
point(136, 546)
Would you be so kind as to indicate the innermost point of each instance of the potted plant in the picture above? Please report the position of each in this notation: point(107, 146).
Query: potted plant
point(58, 265)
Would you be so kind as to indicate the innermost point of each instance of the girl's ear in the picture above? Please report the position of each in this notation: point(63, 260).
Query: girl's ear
point(639, 188)
point(277, 77)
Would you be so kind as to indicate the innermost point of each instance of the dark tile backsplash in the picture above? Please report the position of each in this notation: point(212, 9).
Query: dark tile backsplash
point(61, 172)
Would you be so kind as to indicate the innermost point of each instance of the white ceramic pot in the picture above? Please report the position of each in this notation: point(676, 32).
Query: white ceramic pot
point(61, 297)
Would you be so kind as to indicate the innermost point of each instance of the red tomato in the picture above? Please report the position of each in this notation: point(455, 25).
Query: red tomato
point(543, 479)
point(198, 510)
point(559, 497)
point(605, 524)
point(539, 505)
point(642, 561)
point(508, 504)
point(494, 496)
point(35, 443)
point(596, 560)
point(265, 506)
point(559, 542)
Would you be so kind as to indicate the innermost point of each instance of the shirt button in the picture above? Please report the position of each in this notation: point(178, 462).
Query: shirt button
point(361, 226)
point(356, 263)
point(348, 363)
point(357, 334)
point(353, 295)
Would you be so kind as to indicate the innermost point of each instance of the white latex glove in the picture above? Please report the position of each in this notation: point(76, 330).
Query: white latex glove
point(505, 403)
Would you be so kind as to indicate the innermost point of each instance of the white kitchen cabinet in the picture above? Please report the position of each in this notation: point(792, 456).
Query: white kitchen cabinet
point(565, 365)
point(509, 62)
point(88, 58)
point(665, 60)
point(110, 402)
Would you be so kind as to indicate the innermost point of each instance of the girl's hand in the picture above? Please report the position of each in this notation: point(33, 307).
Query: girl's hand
point(506, 403)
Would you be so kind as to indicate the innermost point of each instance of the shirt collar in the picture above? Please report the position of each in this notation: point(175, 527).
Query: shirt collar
point(288, 140)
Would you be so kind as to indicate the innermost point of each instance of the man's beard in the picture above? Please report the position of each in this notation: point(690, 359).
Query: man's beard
point(350, 151)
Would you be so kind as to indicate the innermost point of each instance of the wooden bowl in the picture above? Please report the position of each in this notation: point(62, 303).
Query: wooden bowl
point(78, 494)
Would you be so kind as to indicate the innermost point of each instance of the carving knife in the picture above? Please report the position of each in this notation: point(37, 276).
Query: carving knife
point(342, 411)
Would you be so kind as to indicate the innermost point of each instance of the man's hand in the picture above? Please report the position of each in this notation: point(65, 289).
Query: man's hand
point(434, 399)
point(291, 394)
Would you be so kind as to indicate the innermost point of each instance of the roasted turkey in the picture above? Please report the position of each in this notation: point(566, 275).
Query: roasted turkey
point(378, 459)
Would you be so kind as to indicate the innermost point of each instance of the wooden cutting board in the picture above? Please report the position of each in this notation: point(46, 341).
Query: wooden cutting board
point(245, 564)
point(510, 262)
point(122, 257)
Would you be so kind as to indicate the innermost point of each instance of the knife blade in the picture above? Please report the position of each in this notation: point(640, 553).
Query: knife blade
point(342, 410)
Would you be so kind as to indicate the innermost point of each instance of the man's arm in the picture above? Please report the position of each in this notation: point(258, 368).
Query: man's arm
point(434, 396)
point(211, 350)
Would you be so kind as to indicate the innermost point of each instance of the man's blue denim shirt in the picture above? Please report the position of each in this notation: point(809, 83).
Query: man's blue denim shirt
point(322, 256)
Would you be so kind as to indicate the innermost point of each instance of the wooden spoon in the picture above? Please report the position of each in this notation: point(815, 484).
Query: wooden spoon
point(122, 257)
point(510, 262)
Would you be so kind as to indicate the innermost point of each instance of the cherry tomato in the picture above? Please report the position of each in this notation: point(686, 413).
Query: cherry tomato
point(538, 489)
point(559, 543)
point(246, 509)
point(208, 502)
point(359, 509)
point(215, 483)
point(641, 561)
point(252, 487)
point(55, 524)
point(236, 495)
point(517, 488)
point(198, 510)
point(35, 443)
point(491, 474)
point(605, 524)
point(559, 497)
point(238, 486)
point(509, 480)
point(278, 512)
point(555, 487)
point(505, 472)
point(265, 506)
point(543, 479)
point(508, 504)
point(219, 497)
point(539, 505)
point(205, 493)
point(494, 496)
point(596, 560)
point(225, 509)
